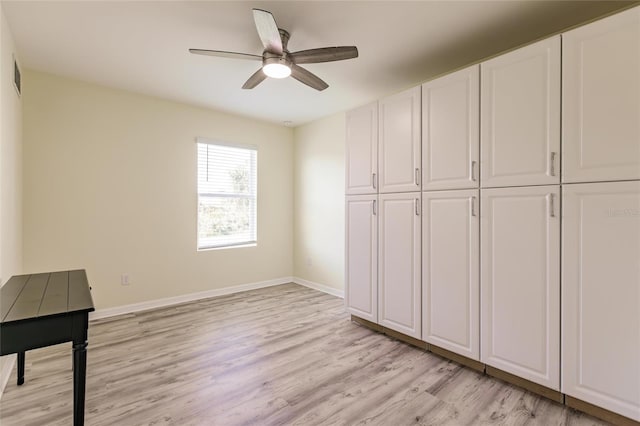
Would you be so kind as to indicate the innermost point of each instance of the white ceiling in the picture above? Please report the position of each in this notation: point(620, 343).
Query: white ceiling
point(143, 46)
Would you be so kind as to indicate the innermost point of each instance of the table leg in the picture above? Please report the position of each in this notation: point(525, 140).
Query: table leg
point(79, 381)
point(20, 368)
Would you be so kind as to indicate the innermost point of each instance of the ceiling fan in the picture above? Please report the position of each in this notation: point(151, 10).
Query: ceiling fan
point(277, 61)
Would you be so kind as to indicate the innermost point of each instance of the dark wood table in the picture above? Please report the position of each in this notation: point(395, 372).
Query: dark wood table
point(46, 309)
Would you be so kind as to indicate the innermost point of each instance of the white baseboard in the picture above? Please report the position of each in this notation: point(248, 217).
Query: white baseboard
point(320, 287)
point(5, 373)
point(168, 301)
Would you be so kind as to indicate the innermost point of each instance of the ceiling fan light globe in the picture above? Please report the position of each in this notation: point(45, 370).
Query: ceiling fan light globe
point(276, 70)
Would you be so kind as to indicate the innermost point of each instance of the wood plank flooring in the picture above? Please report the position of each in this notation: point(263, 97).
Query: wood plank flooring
point(275, 356)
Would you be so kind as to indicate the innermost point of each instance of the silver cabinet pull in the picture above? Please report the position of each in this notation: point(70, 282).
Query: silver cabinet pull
point(374, 180)
point(552, 164)
point(551, 203)
point(472, 171)
point(472, 204)
point(374, 207)
point(417, 205)
point(417, 176)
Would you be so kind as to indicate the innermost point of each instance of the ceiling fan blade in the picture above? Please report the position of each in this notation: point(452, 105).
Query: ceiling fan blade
point(268, 31)
point(324, 54)
point(257, 78)
point(223, 54)
point(307, 78)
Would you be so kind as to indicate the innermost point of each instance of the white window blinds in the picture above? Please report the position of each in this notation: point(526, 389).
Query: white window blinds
point(227, 195)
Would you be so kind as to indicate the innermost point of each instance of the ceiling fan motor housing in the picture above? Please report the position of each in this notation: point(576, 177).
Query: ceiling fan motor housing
point(274, 58)
point(284, 36)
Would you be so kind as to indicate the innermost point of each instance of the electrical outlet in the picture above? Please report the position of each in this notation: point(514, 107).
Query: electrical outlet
point(124, 279)
point(309, 262)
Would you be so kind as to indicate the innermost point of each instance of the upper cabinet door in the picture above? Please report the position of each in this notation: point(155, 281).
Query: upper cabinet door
point(400, 142)
point(601, 100)
point(520, 116)
point(601, 295)
point(361, 151)
point(451, 270)
point(520, 282)
point(361, 278)
point(399, 263)
point(451, 131)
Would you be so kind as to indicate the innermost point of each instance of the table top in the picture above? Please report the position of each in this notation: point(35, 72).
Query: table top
point(26, 297)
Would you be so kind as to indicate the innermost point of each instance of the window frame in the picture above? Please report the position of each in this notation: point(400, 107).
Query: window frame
point(254, 211)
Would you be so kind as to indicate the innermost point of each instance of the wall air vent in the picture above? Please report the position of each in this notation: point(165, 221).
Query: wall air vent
point(16, 77)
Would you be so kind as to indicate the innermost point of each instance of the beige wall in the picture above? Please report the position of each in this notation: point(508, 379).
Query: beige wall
point(110, 186)
point(319, 202)
point(10, 162)
point(10, 174)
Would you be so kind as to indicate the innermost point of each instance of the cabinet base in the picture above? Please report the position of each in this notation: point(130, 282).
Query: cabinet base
point(372, 325)
point(467, 362)
point(601, 413)
point(548, 393)
point(391, 333)
point(406, 339)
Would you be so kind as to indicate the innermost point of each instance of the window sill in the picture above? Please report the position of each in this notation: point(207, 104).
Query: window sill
point(227, 247)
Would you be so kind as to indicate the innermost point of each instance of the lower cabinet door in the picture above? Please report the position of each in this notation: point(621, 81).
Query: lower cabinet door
point(520, 282)
point(399, 263)
point(451, 271)
point(601, 295)
point(361, 256)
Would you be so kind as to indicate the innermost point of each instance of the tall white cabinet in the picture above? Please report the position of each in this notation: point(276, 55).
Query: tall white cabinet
point(450, 271)
point(383, 240)
point(520, 116)
point(601, 100)
point(601, 295)
point(520, 281)
point(601, 214)
point(399, 263)
point(450, 213)
point(520, 212)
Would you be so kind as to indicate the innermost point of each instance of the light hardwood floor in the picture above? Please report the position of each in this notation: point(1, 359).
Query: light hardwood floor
point(281, 355)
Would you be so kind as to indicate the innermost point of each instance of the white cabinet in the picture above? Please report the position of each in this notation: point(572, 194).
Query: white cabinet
point(451, 130)
point(520, 116)
point(601, 100)
point(399, 142)
point(361, 150)
point(399, 263)
point(361, 252)
point(450, 271)
point(601, 295)
point(520, 282)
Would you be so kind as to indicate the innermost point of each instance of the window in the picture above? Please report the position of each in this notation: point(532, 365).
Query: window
point(227, 201)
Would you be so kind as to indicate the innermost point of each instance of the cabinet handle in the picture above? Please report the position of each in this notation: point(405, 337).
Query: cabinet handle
point(417, 206)
point(472, 171)
point(374, 181)
point(374, 207)
point(552, 164)
point(417, 176)
point(472, 203)
point(551, 203)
